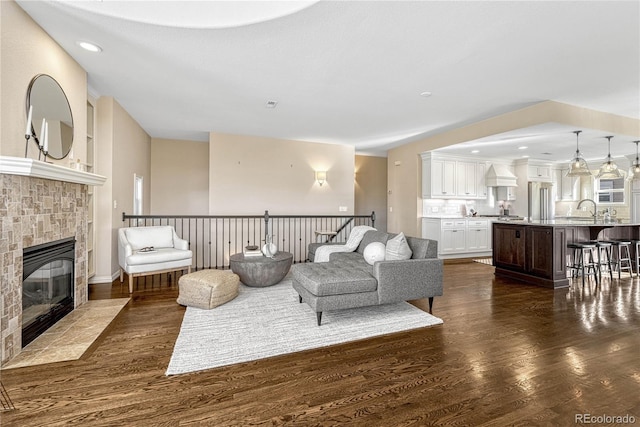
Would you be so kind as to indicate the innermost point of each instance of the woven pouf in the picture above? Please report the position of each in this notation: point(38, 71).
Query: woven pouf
point(207, 288)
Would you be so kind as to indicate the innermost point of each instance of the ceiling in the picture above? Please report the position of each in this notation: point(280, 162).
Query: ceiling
point(352, 72)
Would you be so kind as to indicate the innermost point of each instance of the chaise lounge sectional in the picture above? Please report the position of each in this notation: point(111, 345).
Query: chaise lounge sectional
point(348, 281)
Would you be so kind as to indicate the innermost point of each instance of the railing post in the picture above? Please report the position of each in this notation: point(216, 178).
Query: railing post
point(373, 218)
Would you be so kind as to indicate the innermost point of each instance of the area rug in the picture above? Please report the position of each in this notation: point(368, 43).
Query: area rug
point(487, 261)
point(265, 322)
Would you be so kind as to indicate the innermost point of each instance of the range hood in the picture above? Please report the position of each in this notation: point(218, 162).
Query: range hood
point(500, 176)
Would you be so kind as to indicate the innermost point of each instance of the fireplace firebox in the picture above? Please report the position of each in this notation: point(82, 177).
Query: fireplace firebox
point(47, 286)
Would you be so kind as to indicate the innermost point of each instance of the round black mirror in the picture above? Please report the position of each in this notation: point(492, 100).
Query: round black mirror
point(50, 103)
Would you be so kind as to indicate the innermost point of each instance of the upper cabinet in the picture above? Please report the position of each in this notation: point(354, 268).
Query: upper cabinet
point(541, 173)
point(449, 178)
point(567, 188)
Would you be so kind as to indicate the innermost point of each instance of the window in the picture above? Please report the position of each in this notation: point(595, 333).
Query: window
point(137, 195)
point(610, 190)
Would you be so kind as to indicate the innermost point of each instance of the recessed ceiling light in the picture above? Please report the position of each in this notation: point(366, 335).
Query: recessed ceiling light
point(524, 147)
point(525, 157)
point(426, 94)
point(271, 104)
point(475, 151)
point(91, 47)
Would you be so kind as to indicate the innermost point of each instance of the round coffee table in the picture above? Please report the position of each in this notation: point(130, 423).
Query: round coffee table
point(260, 271)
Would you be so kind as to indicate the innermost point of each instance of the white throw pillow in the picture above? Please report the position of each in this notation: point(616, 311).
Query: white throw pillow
point(398, 248)
point(374, 252)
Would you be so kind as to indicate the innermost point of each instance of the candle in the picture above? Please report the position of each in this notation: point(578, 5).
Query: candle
point(41, 134)
point(46, 137)
point(27, 131)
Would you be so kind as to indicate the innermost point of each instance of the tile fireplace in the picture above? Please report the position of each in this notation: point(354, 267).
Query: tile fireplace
point(39, 204)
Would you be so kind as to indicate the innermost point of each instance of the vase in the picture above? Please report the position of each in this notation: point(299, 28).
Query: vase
point(269, 249)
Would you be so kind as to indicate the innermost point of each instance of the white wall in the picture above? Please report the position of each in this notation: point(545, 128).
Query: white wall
point(179, 177)
point(27, 50)
point(123, 149)
point(248, 175)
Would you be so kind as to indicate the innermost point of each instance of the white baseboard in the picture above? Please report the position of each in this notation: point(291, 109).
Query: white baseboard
point(105, 278)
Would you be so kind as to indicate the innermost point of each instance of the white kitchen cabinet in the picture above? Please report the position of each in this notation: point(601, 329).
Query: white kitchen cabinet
point(446, 177)
point(567, 187)
point(459, 237)
point(481, 190)
point(438, 178)
point(540, 173)
point(635, 206)
point(477, 235)
point(453, 234)
point(466, 179)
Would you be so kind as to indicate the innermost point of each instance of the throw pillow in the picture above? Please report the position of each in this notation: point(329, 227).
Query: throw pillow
point(374, 252)
point(398, 248)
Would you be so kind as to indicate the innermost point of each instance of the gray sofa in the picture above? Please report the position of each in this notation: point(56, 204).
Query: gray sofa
point(347, 281)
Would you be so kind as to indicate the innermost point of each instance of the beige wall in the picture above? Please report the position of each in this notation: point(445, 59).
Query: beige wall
point(124, 149)
point(371, 188)
point(405, 203)
point(248, 175)
point(179, 177)
point(27, 50)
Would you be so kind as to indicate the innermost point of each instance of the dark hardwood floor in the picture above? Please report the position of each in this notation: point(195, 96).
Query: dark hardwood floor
point(507, 354)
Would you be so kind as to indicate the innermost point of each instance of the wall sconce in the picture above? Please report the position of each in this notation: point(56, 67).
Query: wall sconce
point(321, 177)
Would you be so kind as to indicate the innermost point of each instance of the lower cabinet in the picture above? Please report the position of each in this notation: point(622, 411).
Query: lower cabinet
point(459, 237)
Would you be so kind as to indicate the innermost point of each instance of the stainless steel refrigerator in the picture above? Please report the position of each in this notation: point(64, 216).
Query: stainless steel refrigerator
point(541, 204)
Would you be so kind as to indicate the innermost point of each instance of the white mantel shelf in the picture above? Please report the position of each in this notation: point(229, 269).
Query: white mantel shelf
point(40, 169)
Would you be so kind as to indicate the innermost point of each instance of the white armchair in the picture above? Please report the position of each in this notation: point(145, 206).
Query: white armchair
point(170, 253)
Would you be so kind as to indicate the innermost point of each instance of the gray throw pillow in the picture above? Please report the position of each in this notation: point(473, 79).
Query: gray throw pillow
point(398, 248)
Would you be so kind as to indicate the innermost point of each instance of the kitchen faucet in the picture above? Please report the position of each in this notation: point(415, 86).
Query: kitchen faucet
point(594, 214)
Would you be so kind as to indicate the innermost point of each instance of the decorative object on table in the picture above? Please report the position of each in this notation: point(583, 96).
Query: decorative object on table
point(252, 250)
point(269, 249)
point(266, 322)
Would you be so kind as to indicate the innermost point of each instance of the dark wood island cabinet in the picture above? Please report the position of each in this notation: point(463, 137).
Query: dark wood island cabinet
point(536, 252)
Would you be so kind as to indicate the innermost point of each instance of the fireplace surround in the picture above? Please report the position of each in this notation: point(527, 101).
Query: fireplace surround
point(39, 203)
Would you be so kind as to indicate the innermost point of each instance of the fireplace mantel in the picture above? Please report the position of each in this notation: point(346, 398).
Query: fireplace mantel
point(40, 169)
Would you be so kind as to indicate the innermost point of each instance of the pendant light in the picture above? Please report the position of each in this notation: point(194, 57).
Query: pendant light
point(634, 170)
point(609, 170)
point(579, 166)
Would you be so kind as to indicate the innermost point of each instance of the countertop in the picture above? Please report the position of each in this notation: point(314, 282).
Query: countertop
point(577, 222)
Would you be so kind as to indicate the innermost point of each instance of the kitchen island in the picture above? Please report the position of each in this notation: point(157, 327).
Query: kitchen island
point(536, 251)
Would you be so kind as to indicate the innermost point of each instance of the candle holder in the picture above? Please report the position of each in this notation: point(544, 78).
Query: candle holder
point(26, 144)
point(45, 156)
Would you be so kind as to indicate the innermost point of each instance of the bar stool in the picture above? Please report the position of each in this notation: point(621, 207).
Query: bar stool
point(636, 244)
point(622, 250)
point(604, 249)
point(583, 260)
